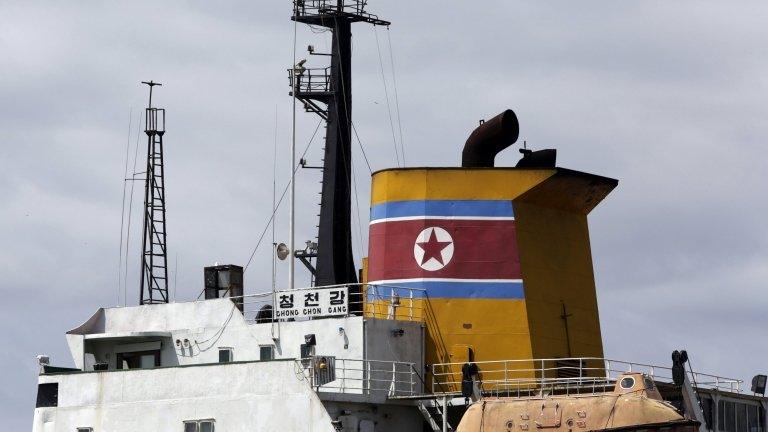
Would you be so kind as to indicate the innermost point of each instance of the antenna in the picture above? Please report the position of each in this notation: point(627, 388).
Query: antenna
point(154, 254)
point(151, 84)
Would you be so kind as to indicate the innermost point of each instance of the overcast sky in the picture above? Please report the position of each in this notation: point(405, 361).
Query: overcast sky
point(668, 97)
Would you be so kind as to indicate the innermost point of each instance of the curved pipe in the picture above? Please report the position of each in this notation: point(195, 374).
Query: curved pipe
point(488, 139)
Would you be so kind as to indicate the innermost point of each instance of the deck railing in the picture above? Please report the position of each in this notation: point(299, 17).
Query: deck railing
point(319, 7)
point(357, 376)
point(311, 80)
point(516, 378)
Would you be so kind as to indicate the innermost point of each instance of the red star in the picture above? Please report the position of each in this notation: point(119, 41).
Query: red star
point(433, 248)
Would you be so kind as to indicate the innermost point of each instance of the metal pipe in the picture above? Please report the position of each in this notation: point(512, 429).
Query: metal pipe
point(445, 413)
point(488, 139)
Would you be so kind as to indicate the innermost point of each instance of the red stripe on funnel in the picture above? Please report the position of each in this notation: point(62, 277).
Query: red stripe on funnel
point(483, 249)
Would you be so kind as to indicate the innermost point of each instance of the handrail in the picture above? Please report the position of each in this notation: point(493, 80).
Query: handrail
point(528, 376)
point(358, 376)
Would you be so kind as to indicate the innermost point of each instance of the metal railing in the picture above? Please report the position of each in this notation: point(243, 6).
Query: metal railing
point(365, 377)
point(310, 80)
point(374, 301)
point(395, 302)
point(584, 375)
point(318, 7)
point(154, 120)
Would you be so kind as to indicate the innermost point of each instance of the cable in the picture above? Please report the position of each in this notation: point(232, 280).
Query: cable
point(386, 96)
point(130, 214)
point(397, 101)
point(175, 276)
point(272, 217)
point(360, 143)
point(357, 214)
point(122, 209)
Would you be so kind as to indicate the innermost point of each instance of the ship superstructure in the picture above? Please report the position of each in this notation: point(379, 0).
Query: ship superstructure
point(474, 310)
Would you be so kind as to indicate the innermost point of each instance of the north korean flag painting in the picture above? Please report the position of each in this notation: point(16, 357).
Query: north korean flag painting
point(449, 248)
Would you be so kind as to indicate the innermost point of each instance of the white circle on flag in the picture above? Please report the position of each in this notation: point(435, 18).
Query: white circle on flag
point(433, 248)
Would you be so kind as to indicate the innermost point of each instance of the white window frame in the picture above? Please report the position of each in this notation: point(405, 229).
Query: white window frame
point(197, 424)
point(231, 354)
point(271, 350)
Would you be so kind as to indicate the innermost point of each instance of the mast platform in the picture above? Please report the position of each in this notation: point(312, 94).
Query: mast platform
point(324, 12)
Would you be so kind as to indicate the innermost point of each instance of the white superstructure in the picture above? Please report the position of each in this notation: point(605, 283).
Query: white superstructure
point(202, 363)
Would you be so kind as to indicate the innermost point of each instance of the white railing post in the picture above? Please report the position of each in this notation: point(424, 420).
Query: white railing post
point(445, 413)
point(506, 377)
point(367, 379)
point(392, 302)
point(410, 314)
point(393, 386)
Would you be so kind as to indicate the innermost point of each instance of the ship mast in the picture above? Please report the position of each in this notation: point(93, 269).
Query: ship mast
point(327, 92)
point(154, 255)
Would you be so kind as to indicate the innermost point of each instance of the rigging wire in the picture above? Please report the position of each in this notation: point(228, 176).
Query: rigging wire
point(282, 196)
point(360, 143)
point(357, 214)
point(397, 101)
point(130, 213)
point(175, 276)
point(386, 96)
point(122, 209)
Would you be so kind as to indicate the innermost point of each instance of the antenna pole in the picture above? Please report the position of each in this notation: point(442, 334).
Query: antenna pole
point(154, 254)
point(292, 216)
point(151, 84)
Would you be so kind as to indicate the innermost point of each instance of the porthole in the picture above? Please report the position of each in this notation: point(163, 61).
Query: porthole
point(627, 383)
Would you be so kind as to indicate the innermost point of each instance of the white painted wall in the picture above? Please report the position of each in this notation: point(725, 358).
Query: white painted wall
point(208, 325)
point(240, 396)
point(259, 396)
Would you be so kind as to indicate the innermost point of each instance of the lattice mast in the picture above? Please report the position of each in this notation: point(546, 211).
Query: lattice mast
point(328, 93)
point(154, 255)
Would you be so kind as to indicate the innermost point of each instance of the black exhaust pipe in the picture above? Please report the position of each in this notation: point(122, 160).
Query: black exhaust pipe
point(488, 139)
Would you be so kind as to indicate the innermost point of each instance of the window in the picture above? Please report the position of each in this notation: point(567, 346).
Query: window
point(727, 416)
point(741, 417)
point(47, 395)
point(225, 355)
point(266, 352)
point(138, 359)
point(199, 425)
point(627, 383)
point(752, 416)
point(708, 407)
point(721, 415)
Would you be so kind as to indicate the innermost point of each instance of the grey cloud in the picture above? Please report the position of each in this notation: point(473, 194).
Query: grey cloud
point(669, 98)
